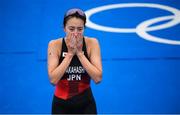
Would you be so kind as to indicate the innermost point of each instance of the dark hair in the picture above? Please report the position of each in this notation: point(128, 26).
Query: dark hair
point(75, 12)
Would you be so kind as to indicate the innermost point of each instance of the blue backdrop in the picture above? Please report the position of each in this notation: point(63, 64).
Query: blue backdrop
point(139, 76)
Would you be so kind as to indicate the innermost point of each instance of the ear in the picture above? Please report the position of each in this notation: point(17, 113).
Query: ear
point(64, 29)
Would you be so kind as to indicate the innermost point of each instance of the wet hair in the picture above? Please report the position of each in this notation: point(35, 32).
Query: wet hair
point(75, 12)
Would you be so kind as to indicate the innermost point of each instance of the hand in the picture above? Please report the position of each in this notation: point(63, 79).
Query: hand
point(79, 43)
point(71, 43)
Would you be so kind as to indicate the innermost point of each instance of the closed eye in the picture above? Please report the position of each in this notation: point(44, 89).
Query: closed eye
point(71, 29)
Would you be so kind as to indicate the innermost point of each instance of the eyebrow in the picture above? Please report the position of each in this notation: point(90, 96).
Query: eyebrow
point(75, 27)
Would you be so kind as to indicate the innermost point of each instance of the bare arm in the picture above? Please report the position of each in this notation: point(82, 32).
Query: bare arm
point(94, 66)
point(56, 71)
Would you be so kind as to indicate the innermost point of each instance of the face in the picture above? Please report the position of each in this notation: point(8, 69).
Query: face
point(74, 25)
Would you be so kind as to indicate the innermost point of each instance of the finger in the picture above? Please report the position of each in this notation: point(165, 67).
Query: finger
point(80, 35)
point(80, 38)
point(69, 36)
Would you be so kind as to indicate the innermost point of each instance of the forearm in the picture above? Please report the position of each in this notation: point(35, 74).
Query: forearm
point(94, 72)
point(57, 74)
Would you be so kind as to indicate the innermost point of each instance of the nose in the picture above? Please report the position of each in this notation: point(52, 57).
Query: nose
point(76, 32)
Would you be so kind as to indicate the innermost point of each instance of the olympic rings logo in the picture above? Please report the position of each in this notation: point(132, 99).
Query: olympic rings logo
point(143, 27)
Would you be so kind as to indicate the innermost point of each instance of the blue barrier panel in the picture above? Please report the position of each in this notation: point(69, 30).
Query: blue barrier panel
point(140, 45)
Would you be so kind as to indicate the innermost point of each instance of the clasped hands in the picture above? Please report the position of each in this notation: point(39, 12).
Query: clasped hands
point(74, 43)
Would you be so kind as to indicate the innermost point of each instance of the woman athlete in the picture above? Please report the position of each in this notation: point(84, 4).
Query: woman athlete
point(72, 62)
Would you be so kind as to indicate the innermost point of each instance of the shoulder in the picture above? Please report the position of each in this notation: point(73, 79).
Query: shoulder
point(55, 42)
point(90, 41)
point(55, 45)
